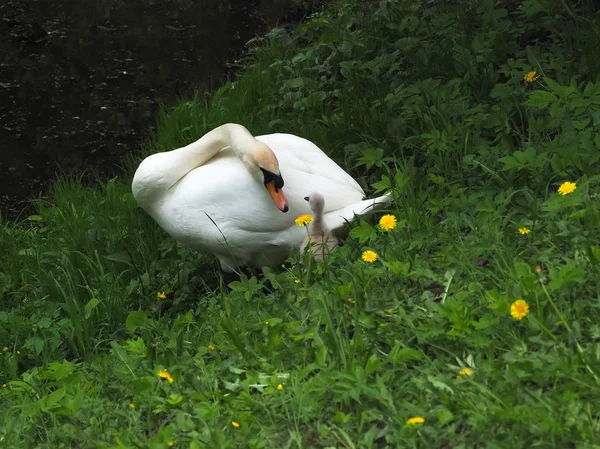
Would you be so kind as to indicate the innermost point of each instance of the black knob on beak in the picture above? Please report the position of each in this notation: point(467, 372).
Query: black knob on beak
point(307, 198)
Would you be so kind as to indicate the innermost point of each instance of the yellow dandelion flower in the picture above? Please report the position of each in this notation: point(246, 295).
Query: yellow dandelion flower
point(524, 230)
point(351, 300)
point(465, 372)
point(5, 349)
point(3, 385)
point(530, 77)
point(297, 281)
point(387, 222)
point(415, 421)
point(267, 323)
point(132, 405)
point(538, 268)
point(18, 352)
point(211, 347)
point(304, 220)
point(369, 256)
point(567, 187)
point(280, 387)
point(164, 374)
point(161, 295)
point(170, 444)
point(235, 424)
point(519, 309)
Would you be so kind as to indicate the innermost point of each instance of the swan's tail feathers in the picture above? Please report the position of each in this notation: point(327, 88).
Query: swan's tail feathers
point(336, 220)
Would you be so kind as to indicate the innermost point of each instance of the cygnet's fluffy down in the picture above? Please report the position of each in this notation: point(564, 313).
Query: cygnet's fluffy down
point(319, 236)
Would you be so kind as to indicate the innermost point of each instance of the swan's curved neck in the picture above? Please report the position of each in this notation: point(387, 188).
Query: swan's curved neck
point(183, 160)
point(229, 135)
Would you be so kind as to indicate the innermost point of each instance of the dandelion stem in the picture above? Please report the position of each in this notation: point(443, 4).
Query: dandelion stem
point(562, 319)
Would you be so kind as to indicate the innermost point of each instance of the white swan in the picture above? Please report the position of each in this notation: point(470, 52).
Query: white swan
point(322, 242)
point(224, 194)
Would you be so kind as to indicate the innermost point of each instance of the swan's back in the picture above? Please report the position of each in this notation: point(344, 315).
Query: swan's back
point(305, 164)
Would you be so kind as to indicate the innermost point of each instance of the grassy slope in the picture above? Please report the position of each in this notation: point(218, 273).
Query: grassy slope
point(428, 101)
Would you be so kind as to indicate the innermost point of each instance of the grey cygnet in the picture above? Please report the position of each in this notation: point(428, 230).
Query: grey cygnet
point(319, 236)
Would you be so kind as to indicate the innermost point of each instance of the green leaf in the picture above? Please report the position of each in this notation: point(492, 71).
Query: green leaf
point(371, 157)
point(75, 403)
point(235, 338)
point(183, 320)
point(128, 198)
point(347, 64)
point(363, 232)
point(372, 365)
point(541, 99)
point(54, 397)
point(120, 257)
point(522, 269)
point(37, 344)
point(439, 385)
point(400, 269)
point(137, 346)
point(135, 319)
point(294, 83)
point(566, 274)
point(382, 185)
point(401, 355)
point(445, 416)
point(439, 180)
point(274, 321)
point(90, 306)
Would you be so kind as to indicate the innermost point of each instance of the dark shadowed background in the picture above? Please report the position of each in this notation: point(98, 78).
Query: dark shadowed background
point(81, 81)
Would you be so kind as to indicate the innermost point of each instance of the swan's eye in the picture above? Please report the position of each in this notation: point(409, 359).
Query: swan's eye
point(270, 176)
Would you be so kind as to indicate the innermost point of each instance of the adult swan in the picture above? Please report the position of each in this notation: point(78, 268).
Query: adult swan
point(224, 194)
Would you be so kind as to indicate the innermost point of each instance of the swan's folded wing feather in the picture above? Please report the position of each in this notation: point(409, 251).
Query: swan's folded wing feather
point(335, 220)
point(296, 154)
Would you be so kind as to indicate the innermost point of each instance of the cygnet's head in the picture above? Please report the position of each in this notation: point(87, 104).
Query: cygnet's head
point(316, 202)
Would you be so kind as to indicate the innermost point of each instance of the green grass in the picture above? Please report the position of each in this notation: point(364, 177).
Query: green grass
point(425, 100)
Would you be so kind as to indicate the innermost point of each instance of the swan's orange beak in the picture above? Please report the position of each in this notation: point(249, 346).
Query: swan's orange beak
point(278, 196)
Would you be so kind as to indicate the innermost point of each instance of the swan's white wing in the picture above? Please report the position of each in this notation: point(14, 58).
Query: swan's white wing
point(337, 218)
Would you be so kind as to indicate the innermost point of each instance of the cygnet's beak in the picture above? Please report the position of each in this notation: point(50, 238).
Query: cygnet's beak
point(306, 198)
point(278, 197)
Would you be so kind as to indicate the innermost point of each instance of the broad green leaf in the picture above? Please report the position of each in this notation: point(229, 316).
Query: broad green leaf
point(54, 397)
point(372, 365)
point(541, 99)
point(522, 269)
point(363, 232)
point(439, 385)
point(135, 319)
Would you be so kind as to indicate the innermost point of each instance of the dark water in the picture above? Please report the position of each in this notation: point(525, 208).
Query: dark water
point(82, 80)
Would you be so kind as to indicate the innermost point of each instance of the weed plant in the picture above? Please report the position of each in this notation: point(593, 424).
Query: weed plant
point(476, 325)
